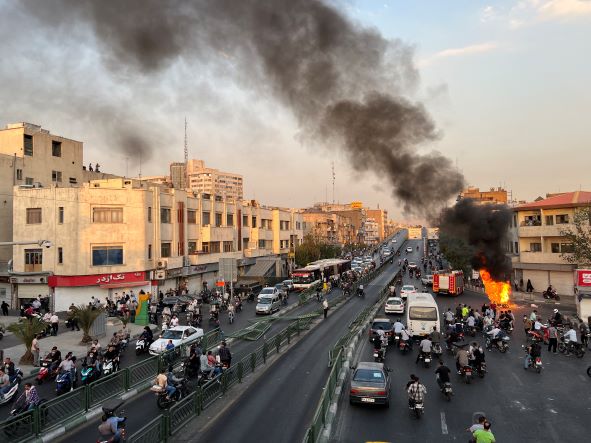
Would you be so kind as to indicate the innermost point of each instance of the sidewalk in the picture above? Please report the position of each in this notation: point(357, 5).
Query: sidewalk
point(566, 301)
point(65, 341)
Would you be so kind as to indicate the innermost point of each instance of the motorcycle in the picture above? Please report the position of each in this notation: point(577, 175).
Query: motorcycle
point(110, 366)
point(109, 409)
point(88, 374)
point(15, 427)
point(418, 408)
point(425, 357)
point(379, 354)
point(466, 374)
point(404, 346)
point(551, 295)
point(569, 347)
point(141, 346)
point(501, 343)
point(446, 390)
point(13, 388)
point(437, 351)
point(535, 363)
point(480, 368)
point(178, 395)
point(63, 383)
point(44, 371)
point(542, 336)
point(230, 317)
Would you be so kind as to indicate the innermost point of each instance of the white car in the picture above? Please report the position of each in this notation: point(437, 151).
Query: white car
point(412, 265)
point(269, 290)
point(394, 305)
point(394, 241)
point(288, 284)
point(427, 280)
point(409, 249)
point(178, 334)
point(407, 289)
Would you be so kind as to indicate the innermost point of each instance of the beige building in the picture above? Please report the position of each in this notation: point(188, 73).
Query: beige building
point(122, 234)
point(537, 243)
point(206, 180)
point(178, 175)
point(379, 216)
point(494, 195)
point(328, 227)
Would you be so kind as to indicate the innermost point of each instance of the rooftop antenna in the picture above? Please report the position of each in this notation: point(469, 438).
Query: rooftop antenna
point(186, 157)
point(333, 179)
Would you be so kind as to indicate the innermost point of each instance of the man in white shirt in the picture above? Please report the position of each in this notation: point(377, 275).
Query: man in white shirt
point(424, 348)
point(571, 335)
point(398, 327)
point(54, 320)
point(471, 321)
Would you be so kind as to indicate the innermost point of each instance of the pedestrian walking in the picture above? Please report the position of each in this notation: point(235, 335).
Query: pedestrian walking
point(553, 339)
point(527, 325)
point(35, 348)
point(325, 307)
point(4, 308)
point(73, 319)
point(54, 320)
point(529, 286)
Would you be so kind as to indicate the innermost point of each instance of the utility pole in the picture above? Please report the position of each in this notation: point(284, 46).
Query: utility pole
point(186, 157)
point(333, 179)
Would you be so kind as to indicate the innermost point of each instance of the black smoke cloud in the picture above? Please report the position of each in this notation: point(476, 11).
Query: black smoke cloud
point(344, 83)
point(484, 228)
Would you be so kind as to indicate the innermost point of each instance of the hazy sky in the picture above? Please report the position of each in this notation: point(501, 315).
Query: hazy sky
point(506, 82)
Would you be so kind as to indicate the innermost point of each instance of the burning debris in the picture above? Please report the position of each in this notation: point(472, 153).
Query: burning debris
point(498, 292)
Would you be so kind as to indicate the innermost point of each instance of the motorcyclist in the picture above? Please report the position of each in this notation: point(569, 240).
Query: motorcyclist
point(55, 356)
point(476, 354)
point(442, 374)
point(171, 381)
point(147, 335)
point(551, 292)
point(462, 359)
point(398, 327)
point(360, 290)
point(405, 337)
point(416, 391)
point(471, 322)
point(225, 355)
point(557, 317)
point(533, 350)
point(570, 337)
point(449, 317)
point(112, 354)
point(110, 426)
point(425, 348)
point(494, 334)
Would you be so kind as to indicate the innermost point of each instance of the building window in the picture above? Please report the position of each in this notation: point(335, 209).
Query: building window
point(229, 219)
point(205, 218)
point(60, 215)
point(516, 247)
point(205, 247)
point(165, 250)
point(562, 219)
point(515, 220)
point(29, 181)
point(191, 217)
point(192, 247)
point(149, 252)
point(107, 255)
point(19, 174)
point(33, 260)
point(28, 144)
point(298, 226)
point(549, 220)
point(245, 243)
point(107, 215)
point(254, 221)
point(228, 246)
point(214, 246)
point(567, 248)
point(56, 148)
point(261, 244)
point(555, 247)
point(73, 180)
point(245, 220)
point(218, 219)
point(60, 256)
point(164, 215)
point(149, 214)
point(33, 216)
point(535, 247)
point(56, 176)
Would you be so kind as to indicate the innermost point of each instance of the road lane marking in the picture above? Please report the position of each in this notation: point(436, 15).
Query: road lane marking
point(517, 379)
point(443, 424)
point(582, 377)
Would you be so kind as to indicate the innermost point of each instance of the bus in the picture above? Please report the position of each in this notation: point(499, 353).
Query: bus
point(312, 274)
point(422, 314)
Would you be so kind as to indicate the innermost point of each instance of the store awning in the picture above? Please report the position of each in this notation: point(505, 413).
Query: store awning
point(125, 285)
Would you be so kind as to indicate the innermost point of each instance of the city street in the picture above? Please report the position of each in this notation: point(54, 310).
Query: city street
point(523, 406)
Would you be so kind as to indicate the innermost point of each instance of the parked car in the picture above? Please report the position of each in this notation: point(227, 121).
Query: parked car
point(178, 334)
point(385, 324)
point(288, 284)
point(370, 383)
point(394, 305)
point(407, 289)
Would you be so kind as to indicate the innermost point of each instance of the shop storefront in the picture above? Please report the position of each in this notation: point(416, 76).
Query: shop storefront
point(27, 287)
point(79, 289)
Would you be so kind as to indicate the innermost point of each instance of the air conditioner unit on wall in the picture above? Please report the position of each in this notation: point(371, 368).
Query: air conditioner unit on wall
point(162, 263)
point(160, 274)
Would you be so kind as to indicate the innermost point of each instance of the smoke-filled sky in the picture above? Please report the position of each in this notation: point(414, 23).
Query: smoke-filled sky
point(276, 90)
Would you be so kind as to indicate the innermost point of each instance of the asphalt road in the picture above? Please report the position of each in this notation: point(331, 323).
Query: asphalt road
point(523, 406)
point(141, 409)
point(280, 406)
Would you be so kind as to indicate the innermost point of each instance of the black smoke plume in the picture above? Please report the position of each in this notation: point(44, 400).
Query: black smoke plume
point(345, 84)
point(484, 229)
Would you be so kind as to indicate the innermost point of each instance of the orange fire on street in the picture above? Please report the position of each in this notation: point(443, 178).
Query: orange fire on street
point(497, 291)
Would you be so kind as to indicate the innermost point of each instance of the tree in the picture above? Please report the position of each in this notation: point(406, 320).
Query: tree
point(86, 316)
point(25, 331)
point(311, 250)
point(579, 235)
point(457, 252)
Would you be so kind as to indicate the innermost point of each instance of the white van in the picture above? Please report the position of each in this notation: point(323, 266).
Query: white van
point(422, 314)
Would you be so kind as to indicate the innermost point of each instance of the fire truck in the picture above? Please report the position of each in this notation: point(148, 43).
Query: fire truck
point(449, 283)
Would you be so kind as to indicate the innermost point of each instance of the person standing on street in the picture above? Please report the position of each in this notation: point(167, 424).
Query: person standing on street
point(325, 307)
point(225, 355)
point(529, 287)
point(35, 348)
point(552, 338)
point(73, 318)
point(54, 319)
point(4, 308)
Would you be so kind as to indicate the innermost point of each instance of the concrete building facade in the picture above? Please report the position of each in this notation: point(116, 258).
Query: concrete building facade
point(328, 227)
point(537, 243)
point(121, 234)
point(492, 196)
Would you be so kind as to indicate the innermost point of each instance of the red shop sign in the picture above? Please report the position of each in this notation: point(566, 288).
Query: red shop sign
point(95, 280)
point(583, 277)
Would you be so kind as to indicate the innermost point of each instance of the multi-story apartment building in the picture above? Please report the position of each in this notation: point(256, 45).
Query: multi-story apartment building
point(178, 175)
point(114, 235)
point(372, 235)
point(213, 181)
point(537, 242)
point(328, 227)
point(379, 216)
point(494, 195)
